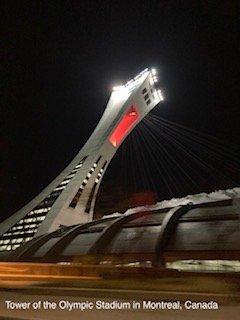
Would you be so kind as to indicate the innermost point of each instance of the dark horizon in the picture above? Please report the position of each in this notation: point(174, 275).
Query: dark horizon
point(60, 63)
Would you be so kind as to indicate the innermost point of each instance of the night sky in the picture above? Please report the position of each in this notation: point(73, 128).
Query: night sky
point(59, 61)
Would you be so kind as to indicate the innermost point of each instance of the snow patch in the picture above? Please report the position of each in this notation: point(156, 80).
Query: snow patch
point(190, 199)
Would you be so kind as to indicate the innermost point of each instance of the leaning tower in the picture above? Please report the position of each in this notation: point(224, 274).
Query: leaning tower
point(70, 198)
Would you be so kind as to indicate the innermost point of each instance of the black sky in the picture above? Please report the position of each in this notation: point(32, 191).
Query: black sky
point(59, 61)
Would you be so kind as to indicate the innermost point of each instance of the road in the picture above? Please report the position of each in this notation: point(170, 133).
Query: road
point(61, 303)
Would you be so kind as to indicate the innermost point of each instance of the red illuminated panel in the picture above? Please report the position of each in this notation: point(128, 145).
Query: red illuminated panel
point(124, 126)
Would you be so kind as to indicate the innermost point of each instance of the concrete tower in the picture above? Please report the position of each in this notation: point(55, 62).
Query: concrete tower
point(70, 198)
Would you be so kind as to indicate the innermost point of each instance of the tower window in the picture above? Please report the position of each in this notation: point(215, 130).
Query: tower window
point(124, 126)
point(146, 97)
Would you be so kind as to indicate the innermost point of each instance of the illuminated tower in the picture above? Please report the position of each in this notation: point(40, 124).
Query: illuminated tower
point(70, 198)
